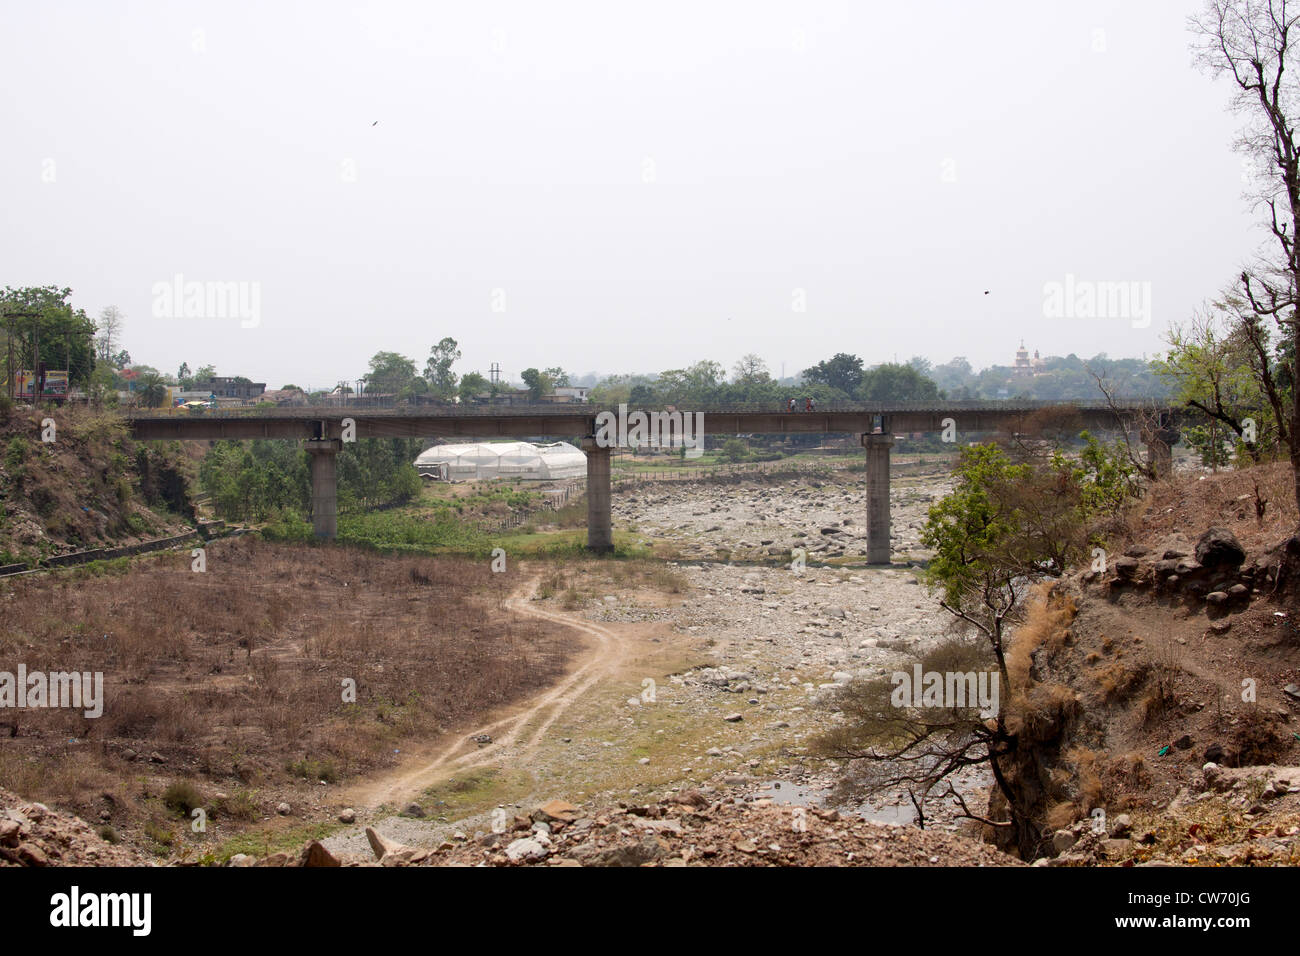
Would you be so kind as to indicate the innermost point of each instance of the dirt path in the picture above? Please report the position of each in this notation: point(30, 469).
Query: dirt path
point(515, 735)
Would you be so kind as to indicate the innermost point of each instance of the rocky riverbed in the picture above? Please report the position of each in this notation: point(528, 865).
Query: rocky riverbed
point(764, 640)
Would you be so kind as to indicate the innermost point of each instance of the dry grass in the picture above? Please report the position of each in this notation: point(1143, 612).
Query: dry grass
point(240, 672)
point(1186, 504)
point(1046, 625)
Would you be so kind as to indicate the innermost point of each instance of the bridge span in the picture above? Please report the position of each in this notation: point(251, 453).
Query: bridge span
point(324, 429)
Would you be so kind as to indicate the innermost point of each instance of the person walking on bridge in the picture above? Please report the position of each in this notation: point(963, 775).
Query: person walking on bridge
point(808, 404)
point(792, 404)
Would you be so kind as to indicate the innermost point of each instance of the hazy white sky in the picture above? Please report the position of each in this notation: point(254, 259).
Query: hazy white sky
point(615, 186)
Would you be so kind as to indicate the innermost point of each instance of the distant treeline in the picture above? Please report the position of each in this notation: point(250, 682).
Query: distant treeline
point(846, 377)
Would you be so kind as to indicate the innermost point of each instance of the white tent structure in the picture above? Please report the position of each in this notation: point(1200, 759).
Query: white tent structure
point(507, 459)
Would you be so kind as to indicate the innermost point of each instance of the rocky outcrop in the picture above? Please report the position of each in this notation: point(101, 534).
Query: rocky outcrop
point(32, 834)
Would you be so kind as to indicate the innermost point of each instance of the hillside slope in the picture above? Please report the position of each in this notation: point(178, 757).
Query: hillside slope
point(1184, 652)
point(91, 487)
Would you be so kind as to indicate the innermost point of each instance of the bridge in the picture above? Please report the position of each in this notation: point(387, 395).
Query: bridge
point(324, 429)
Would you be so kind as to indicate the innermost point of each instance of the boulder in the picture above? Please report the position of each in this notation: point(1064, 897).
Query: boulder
point(316, 855)
point(1126, 569)
point(525, 849)
point(557, 811)
point(1219, 548)
point(382, 845)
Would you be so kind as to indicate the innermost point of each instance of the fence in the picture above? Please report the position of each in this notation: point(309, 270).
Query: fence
point(555, 499)
point(101, 554)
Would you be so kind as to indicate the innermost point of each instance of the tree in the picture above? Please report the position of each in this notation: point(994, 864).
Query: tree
point(183, 374)
point(437, 370)
point(152, 390)
point(1215, 368)
point(558, 376)
point(922, 365)
point(842, 372)
point(733, 450)
point(896, 383)
point(61, 334)
point(390, 373)
point(1005, 526)
point(697, 384)
point(750, 370)
point(1249, 42)
point(472, 384)
point(110, 330)
point(537, 382)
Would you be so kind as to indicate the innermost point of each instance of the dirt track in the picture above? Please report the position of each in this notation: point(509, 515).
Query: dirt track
point(516, 734)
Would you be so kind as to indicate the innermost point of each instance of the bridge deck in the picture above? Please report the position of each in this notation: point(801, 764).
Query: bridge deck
point(516, 421)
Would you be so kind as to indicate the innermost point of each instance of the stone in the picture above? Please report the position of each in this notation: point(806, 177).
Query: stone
point(1121, 825)
point(32, 855)
point(317, 855)
point(282, 808)
point(381, 845)
point(242, 859)
point(348, 816)
point(414, 810)
point(10, 833)
point(734, 718)
point(1062, 840)
point(1217, 597)
point(1219, 547)
point(557, 810)
point(1126, 568)
point(525, 849)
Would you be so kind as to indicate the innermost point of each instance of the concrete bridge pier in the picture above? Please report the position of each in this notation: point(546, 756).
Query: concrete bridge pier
point(324, 486)
point(1160, 442)
point(600, 527)
point(877, 446)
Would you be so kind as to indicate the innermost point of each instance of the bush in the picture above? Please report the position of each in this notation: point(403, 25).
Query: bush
point(15, 455)
point(311, 769)
point(182, 797)
point(287, 525)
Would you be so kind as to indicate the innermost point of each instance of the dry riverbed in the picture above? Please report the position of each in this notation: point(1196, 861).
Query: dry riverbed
point(719, 688)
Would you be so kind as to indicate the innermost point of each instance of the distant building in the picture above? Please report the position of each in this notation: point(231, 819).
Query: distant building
point(571, 393)
point(230, 387)
point(286, 397)
point(1026, 367)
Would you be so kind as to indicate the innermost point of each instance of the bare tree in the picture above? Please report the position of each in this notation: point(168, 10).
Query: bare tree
point(110, 328)
point(1145, 421)
point(1250, 42)
point(750, 369)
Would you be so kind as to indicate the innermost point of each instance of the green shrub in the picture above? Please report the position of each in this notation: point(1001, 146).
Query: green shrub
point(287, 525)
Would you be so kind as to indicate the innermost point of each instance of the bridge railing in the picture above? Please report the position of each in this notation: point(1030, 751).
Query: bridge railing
point(583, 410)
